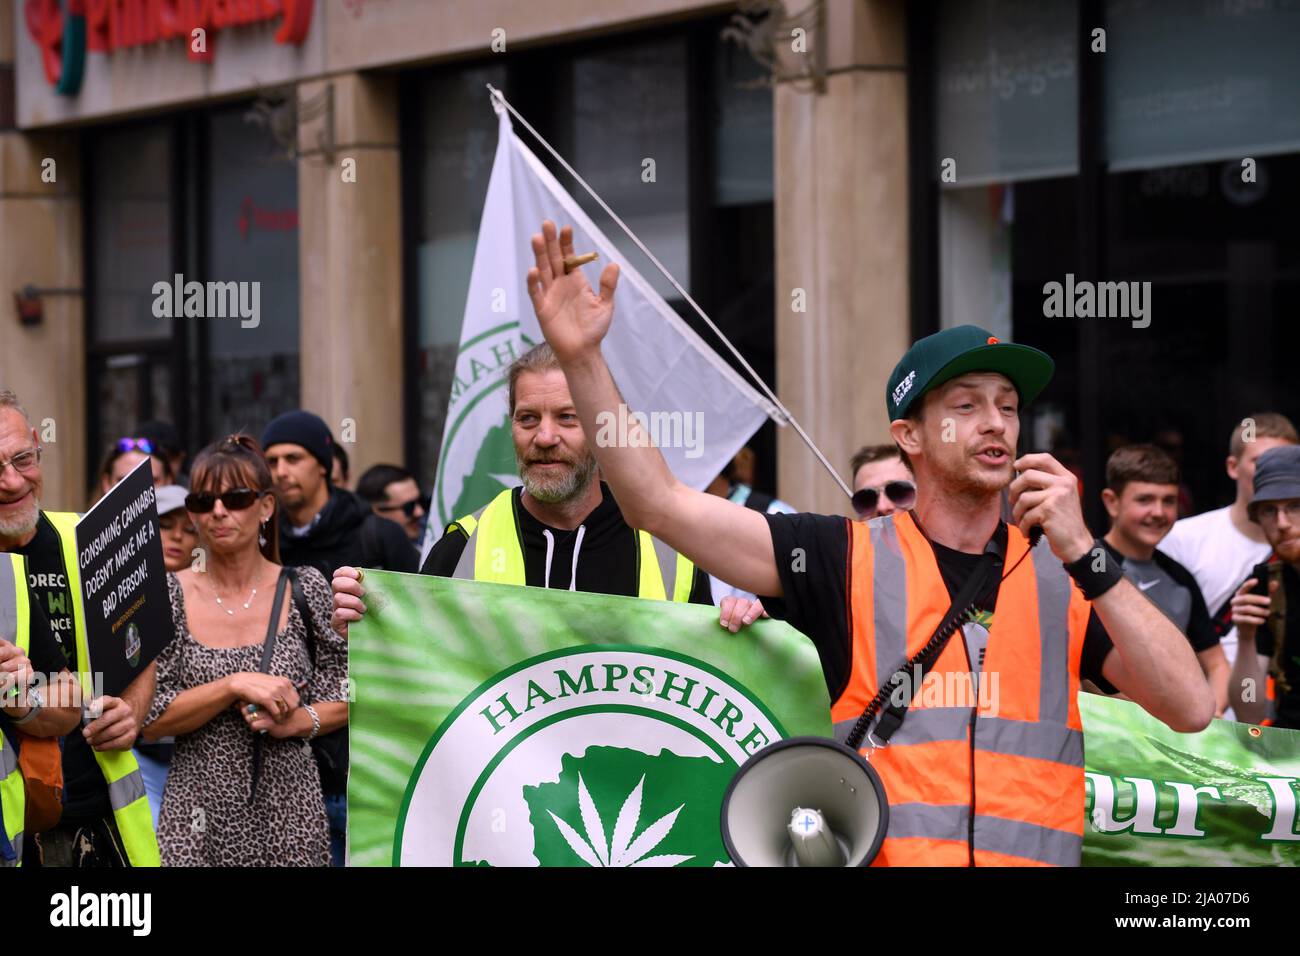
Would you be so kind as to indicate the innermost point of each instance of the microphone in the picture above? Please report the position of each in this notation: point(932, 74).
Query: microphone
point(1035, 536)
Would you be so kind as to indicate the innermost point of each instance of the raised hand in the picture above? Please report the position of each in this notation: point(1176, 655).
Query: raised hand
point(573, 317)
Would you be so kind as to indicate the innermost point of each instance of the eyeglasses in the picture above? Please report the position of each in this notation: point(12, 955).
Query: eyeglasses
point(1269, 511)
point(901, 492)
point(407, 508)
point(24, 462)
point(134, 444)
point(236, 499)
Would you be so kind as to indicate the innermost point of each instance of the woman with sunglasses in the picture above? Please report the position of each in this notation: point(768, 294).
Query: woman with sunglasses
point(122, 458)
point(243, 789)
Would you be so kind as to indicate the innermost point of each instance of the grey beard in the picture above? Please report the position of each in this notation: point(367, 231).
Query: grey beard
point(19, 527)
point(563, 488)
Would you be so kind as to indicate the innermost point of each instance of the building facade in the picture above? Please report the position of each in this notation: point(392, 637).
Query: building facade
point(913, 165)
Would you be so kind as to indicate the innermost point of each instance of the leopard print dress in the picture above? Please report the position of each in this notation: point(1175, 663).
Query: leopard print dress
point(206, 819)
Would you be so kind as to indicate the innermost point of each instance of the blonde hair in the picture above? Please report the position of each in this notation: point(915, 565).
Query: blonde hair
point(540, 358)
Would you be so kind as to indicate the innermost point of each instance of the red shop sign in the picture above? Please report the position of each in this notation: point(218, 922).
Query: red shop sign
point(65, 29)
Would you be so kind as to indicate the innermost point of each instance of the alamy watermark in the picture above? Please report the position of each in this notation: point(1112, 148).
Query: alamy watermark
point(1098, 300)
point(659, 429)
point(209, 300)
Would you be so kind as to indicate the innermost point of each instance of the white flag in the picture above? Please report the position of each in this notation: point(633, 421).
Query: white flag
point(699, 410)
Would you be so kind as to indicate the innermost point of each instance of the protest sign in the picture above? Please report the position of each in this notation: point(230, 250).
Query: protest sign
point(123, 581)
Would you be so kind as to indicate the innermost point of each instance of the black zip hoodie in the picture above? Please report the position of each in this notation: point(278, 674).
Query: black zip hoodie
point(599, 556)
point(347, 532)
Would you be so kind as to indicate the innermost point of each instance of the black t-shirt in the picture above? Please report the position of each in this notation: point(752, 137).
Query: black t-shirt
point(85, 795)
point(1171, 587)
point(608, 553)
point(1288, 704)
point(812, 558)
point(45, 655)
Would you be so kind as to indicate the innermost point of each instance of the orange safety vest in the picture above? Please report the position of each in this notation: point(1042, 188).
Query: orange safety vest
point(1000, 784)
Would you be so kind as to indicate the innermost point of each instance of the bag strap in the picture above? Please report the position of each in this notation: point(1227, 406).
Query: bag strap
point(304, 612)
point(895, 713)
point(268, 648)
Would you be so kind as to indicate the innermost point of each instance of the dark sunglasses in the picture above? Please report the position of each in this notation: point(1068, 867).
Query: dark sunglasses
point(901, 492)
point(407, 508)
point(134, 444)
point(236, 499)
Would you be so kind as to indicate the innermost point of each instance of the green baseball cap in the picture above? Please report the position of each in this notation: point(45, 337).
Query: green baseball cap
point(941, 357)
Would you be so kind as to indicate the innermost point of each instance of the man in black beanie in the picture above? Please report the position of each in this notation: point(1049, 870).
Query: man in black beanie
point(320, 525)
point(327, 528)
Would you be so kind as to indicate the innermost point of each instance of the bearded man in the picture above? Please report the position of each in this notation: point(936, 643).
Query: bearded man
point(562, 528)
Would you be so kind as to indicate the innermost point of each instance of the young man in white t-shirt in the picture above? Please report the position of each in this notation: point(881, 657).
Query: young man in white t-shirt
point(1220, 547)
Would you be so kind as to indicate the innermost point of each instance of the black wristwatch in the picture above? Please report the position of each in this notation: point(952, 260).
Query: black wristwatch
point(1092, 581)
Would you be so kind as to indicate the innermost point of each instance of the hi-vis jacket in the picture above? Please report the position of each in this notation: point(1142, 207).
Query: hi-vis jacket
point(995, 785)
point(494, 552)
point(121, 772)
point(15, 627)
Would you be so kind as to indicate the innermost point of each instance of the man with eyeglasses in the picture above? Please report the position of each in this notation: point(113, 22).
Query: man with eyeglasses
point(393, 493)
point(106, 819)
point(882, 482)
point(1266, 609)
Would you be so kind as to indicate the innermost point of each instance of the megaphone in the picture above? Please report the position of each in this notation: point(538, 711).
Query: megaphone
point(804, 801)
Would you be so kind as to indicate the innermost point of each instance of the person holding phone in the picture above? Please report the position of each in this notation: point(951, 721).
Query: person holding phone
point(1266, 608)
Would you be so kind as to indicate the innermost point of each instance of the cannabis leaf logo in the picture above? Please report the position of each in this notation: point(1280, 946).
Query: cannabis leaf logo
point(622, 850)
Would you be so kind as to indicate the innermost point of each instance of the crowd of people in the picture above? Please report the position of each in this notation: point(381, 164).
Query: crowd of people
point(230, 747)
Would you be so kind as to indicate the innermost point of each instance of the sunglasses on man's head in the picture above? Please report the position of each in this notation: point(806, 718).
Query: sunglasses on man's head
point(236, 499)
point(135, 444)
point(901, 492)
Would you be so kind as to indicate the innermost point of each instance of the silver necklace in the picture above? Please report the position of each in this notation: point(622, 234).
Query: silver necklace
point(228, 610)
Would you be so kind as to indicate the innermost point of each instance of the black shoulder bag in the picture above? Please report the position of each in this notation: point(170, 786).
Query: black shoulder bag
point(331, 749)
point(962, 603)
point(272, 626)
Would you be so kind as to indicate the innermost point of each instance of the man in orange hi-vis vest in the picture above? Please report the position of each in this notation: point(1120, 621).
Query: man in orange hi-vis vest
point(982, 758)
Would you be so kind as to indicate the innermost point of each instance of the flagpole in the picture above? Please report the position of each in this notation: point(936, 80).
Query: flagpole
point(758, 379)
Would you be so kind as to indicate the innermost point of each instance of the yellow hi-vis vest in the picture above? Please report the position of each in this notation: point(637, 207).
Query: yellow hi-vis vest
point(495, 552)
point(15, 627)
point(121, 772)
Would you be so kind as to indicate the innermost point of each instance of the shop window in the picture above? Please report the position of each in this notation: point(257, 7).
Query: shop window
point(252, 236)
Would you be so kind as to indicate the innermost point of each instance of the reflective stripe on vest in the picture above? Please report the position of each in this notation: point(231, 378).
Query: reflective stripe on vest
point(13, 803)
point(495, 552)
point(120, 769)
point(15, 627)
point(1028, 737)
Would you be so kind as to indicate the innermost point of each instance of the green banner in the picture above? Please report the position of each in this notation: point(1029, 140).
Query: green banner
point(1223, 797)
point(508, 726)
point(498, 725)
